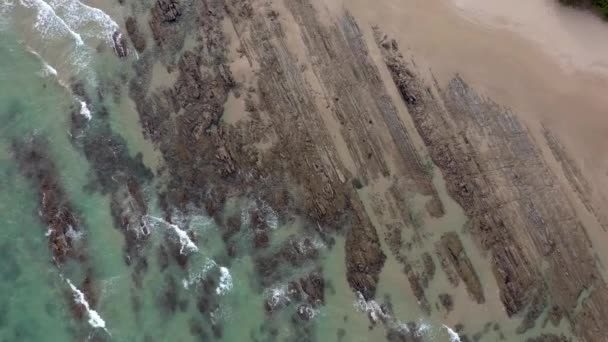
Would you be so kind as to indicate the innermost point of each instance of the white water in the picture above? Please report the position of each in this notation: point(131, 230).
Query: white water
point(64, 34)
point(453, 335)
point(277, 296)
point(48, 23)
point(84, 110)
point(184, 240)
point(225, 281)
point(73, 233)
point(371, 308)
point(47, 69)
point(6, 7)
point(91, 21)
point(194, 278)
point(95, 319)
point(270, 215)
point(423, 328)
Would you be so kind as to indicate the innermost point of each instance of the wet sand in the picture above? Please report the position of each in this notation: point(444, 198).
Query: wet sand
point(544, 61)
point(503, 59)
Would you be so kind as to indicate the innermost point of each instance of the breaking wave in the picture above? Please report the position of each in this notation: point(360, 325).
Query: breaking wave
point(185, 242)
point(418, 329)
point(91, 21)
point(225, 281)
point(47, 69)
point(454, 337)
point(48, 23)
point(6, 7)
point(95, 319)
point(84, 110)
point(70, 29)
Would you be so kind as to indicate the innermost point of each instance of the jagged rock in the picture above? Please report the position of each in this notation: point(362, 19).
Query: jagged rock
point(453, 251)
point(314, 287)
point(135, 34)
point(446, 301)
point(548, 338)
point(305, 312)
point(120, 44)
point(364, 260)
point(168, 10)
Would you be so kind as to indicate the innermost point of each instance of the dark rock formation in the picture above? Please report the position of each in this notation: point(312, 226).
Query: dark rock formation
point(453, 251)
point(135, 34)
point(120, 44)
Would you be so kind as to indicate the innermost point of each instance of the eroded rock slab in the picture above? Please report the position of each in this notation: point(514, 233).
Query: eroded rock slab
point(518, 210)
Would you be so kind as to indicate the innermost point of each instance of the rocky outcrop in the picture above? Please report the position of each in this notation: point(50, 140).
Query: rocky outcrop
point(446, 301)
point(163, 23)
point(451, 250)
point(364, 259)
point(120, 44)
point(518, 210)
point(167, 10)
point(64, 229)
point(548, 338)
point(135, 34)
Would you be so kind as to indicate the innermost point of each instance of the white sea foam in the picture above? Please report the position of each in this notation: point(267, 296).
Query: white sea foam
point(272, 218)
point(48, 23)
point(72, 20)
point(453, 335)
point(270, 215)
point(184, 240)
point(53, 29)
point(91, 21)
point(277, 296)
point(47, 69)
point(84, 110)
point(200, 223)
point(371, 307)
point(308, 311)
point(95, 319)
point(194, 278)
point(225, 281)
point(221, 313)
point(6, 7)
point(423, 328)
point(73, 233)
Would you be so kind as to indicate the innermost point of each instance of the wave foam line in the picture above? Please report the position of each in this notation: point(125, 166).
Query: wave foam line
point(184, 240)
point(47, 69)
point(95, 319)
point(225, 281)
point(47, 20)
point(78, 15)
point(84, 110)
point(454, 337)
point(6, 7)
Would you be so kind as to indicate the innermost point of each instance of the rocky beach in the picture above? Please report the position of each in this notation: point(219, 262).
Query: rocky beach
point(302, 170)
